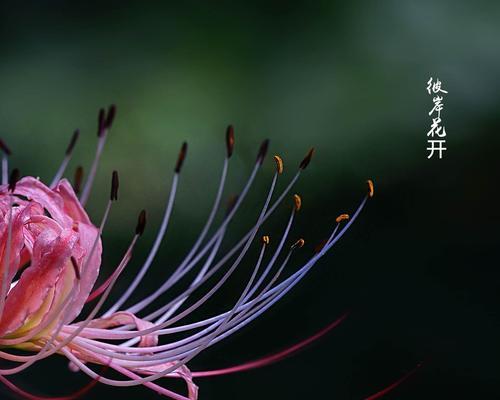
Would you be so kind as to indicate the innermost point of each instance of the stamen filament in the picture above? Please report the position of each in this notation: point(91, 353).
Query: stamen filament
point(66, 159)
point(93, 170)
point(153, 251)
point(181, 272)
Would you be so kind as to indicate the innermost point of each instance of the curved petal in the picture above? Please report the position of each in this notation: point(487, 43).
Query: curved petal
point(52, 201)
point(89, 267)
point(51, 254)
point(72, 206)
point(34, 225)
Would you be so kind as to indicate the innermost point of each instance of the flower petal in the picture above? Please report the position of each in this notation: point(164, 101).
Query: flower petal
point(89, 267)
point(72, 206)
point(52, 201)
point(51, 254)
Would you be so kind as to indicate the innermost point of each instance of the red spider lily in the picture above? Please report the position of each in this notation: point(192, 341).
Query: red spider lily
point(50, 255)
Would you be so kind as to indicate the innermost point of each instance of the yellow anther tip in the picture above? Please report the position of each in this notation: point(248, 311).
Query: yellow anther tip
point(265, 240)
point(298, 244)
point(342, 217)
point(370, 187)
point(279, 164)
point(298, 202)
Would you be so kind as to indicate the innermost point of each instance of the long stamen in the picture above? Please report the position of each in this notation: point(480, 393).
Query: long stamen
point(223, 279)
point(97, 292)
point(243, 311)
point(278, 250)
point(248, 315)
point(207, 341)
point(233, 267)
point(242, 241)
point(197, 304)
point(277, 292)
point(235, 264)
point(135, 378)
point(229, 152)
point(181, 272)
point(290, 282)
point(265, 242)
point(237, 246)
point(159, 237)
point(223, 260)
point(201, 274)
point(204, 341)
point(299, 243)
point(112, 198)
point(215, 320)
point(124, 346)
point(66, 159)
point(261, 278)
point(247, 306)
point(164, 347)
point(175, 306)
point(104, 124)
point(171, 310)
point(270, 296)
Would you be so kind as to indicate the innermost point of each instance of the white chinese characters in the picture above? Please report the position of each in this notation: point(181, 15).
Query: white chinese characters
point(436, 136)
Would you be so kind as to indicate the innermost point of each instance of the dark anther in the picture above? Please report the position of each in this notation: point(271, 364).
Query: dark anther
point(307, 159)
point(77, 184)
point(229, 140)
point(141, 223)
point(101, 127)
point(14, 177)
point(262, 151)
point(110, 116)
point(72, 142)
point(115, 183)
point(180, 159)
point(5, 148)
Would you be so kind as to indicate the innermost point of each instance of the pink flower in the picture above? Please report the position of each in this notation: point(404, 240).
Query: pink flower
point(50, 254)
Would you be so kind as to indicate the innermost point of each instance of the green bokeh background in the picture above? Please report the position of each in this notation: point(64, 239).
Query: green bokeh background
point(418, 270)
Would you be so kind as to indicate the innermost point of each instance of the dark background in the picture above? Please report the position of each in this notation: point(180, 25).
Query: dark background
point(418, 270)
